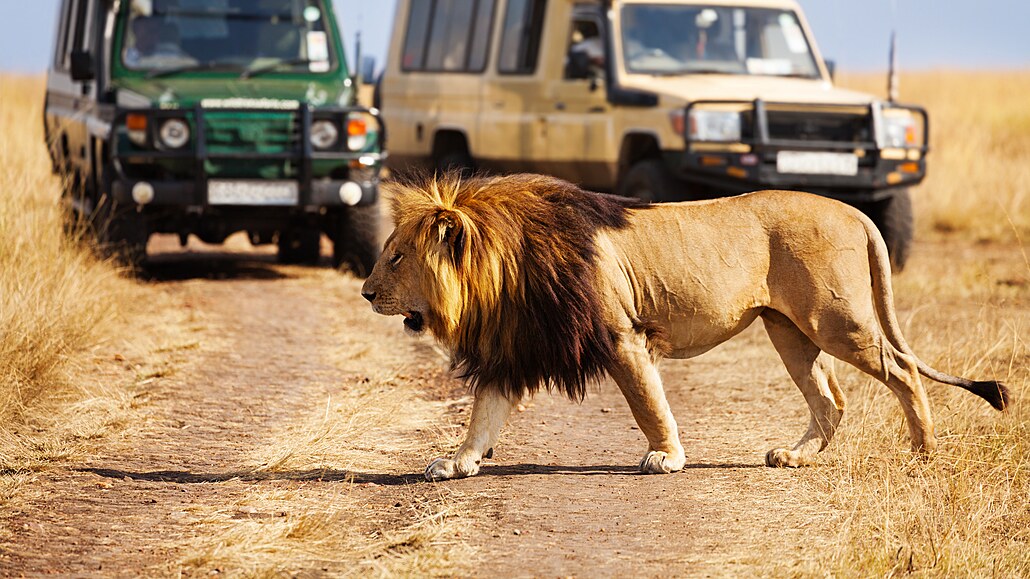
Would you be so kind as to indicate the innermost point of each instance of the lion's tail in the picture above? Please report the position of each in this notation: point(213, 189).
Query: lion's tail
point(992, 391)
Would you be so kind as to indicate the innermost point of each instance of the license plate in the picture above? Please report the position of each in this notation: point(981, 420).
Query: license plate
point(817, 163)
point(252, 192)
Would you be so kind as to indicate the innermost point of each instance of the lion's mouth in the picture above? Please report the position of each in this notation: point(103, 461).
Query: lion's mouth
point(413, 321)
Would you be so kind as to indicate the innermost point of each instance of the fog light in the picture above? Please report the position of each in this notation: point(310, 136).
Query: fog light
point(142, 192)
point(350, 193)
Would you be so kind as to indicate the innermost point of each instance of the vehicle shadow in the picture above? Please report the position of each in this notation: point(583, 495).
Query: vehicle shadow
point(334, 475)
point(172, 267)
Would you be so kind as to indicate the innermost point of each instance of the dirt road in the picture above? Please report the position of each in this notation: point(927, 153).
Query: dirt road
point(239, 437)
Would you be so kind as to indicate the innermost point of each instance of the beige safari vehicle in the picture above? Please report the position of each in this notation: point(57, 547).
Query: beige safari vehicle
point(658, 99)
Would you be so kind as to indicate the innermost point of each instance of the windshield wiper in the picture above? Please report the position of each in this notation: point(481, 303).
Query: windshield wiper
point(251, 72)
point(200, 66)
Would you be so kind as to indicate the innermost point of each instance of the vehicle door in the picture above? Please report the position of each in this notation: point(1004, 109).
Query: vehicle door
point(443, 55)
point(577, 116)
point(71, 101)
point(511, 133)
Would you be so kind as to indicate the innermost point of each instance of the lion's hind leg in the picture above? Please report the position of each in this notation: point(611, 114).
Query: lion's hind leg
point(812, 370)
point(637, 376)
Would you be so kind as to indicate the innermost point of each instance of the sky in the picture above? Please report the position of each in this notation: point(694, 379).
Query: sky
point(987, 34)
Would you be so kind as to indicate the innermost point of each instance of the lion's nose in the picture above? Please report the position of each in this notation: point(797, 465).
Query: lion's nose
point(370, 296)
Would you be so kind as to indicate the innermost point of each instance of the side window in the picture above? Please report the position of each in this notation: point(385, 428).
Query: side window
point(448, 40)
point(86, 26)
point(65, 34)
point(520, 38)
point(584, 57)
point(447, 35)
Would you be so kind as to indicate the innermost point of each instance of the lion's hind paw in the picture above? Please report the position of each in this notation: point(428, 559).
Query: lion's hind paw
point(781, 457)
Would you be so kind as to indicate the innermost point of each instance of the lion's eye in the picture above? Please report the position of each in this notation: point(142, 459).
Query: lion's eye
point(397, 257)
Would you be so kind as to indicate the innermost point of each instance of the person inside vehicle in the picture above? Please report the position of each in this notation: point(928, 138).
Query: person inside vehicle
point(155, 41)
point(585, 57)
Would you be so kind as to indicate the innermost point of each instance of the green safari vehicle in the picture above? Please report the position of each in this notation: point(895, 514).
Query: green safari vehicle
point(209, 117)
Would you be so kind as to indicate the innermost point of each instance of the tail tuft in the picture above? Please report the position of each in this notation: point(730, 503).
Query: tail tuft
point(992, 391)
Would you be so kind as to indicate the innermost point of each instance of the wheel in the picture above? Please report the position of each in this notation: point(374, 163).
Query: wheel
point(123, 236)
point(299, 246)
point(456, 160)
point(893, 217)
point(649, 180)
point(356, 239)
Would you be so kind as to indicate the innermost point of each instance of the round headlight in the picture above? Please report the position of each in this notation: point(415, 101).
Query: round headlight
point(324, 134)
point(174, 133)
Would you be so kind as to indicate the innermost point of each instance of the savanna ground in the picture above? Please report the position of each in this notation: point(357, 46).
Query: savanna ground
point(228, 415)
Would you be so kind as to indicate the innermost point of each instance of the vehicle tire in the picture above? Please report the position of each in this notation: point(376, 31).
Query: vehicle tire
point(455, 160)
point(650, 181)
point(356, 239)
point(299, 246)
point(123, 236)
point(893, 217)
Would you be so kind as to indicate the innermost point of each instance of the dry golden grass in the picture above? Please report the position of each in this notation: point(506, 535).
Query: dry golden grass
point(57, 302)
point(289, 533)
point(978, 176)
point(375, 414)
point(963, 512)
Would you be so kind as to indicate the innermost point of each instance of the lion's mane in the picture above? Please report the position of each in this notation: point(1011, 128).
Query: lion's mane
point(511, 276)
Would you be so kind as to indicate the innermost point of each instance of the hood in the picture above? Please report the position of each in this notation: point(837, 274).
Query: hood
point(676, 90)
point(179, 92)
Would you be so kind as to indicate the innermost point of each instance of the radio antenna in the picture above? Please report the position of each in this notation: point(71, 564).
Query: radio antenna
point(892, 67)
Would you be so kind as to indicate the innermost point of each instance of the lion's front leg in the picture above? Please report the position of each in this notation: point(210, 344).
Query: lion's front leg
point(638, 378)
point(490, 410)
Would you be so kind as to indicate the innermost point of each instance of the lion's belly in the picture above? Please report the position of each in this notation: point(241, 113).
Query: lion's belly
point(697, 321)
point(702, 278)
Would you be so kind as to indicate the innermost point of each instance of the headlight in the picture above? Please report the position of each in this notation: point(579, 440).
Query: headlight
point(174, 133)
point(324, 134)
point(899, 129)
point(707, 125)
point(357, 134)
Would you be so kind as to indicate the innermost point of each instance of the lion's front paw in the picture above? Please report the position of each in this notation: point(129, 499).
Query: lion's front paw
point(658, 462)
point(781, 457)
point(445, 469)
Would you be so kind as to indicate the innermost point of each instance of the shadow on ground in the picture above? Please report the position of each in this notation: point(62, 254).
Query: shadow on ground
point(330, 475)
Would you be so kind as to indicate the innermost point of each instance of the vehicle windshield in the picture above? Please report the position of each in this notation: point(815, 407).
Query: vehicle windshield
point(673, 39)
point(243, 35)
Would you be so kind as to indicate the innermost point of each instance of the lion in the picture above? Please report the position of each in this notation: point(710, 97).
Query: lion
point(531, 282)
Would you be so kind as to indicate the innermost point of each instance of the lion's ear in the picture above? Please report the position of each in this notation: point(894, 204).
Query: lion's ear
point(452, 235)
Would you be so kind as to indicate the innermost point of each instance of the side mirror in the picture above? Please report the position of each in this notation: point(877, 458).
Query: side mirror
point(367, 70)
point(82, 66)
point(578, 65)
point(831, 67)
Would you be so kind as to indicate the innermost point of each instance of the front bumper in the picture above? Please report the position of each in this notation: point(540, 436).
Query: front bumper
point(751, 163)
point(359, 167)
point(321, 193)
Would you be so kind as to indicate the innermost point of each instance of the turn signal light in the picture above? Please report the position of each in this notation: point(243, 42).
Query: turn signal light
point(136, 124)
point(357, 134)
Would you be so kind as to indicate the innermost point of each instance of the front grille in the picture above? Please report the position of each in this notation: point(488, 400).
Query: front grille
point(806, 126)
point(232, 132)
